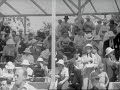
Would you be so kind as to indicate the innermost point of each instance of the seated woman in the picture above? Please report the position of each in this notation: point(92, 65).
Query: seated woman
point(8, 71)
point(27, 55)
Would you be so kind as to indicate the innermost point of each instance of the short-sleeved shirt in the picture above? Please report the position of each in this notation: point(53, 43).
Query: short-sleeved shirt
point(30, 58)
point(64, 73)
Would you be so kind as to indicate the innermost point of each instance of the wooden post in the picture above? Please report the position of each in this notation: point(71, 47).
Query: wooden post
point(25, 25)
point(79, 10)
point(53, 39)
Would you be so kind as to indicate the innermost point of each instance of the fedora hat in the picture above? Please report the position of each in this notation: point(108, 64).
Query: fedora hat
point(61, 62)
point(10, 41)
point(9, 65)
point(109, 50)
point(89, 36)
point(94, 75)
point(27, 50)
point(97, 37)
point(87, 17)
point(25, 62)
point(66, 17)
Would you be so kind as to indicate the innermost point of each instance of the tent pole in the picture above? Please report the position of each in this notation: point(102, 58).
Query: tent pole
point(53, 39)
point(79, 9)
point(25, 25)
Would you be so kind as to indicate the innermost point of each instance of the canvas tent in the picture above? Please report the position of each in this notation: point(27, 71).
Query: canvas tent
point(64, 7)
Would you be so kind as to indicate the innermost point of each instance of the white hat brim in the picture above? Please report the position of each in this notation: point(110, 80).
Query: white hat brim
point(9, 67)
point(110, 52)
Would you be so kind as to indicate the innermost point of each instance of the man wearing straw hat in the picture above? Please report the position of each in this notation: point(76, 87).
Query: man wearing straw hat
point(25, 65)
point(88, 25)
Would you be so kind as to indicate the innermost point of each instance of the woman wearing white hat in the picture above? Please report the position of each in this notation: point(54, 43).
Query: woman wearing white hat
point(110, 64)
point(9, 51)
point(27, 55)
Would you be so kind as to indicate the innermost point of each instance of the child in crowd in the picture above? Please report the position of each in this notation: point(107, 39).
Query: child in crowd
point(103, 77)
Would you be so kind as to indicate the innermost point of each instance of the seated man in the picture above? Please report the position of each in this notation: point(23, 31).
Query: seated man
point(25, 65)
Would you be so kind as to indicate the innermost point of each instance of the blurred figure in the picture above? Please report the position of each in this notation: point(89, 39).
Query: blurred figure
point(25, 65)
point(27, 55)
point(58, 28)
point(4, 85)
point(20, 80)
point(98, 26)
point(15, 37)
point(95, 82)
point(88, 25)
point(9, 51)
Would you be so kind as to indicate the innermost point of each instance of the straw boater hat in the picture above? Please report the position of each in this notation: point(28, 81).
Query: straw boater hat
point(97, 37)
point(94, 75)
point(88, 17)
point(61, 62)
point(89, 36)
point(9, 65)
point(25, 62)
point(10, 41)
point(27, 50)
point(66, 17)
point(109, 50)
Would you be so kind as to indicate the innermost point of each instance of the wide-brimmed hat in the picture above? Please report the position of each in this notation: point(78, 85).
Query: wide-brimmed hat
point(61, 62)
point(89, 36)
point(10, 41)
point(66, 17)
point(109, 50)
point(20, 30)
point(10, 65)
point(89, 45)
point(25, 62)
point(97, 37)
point(87, 17)
point(27, 50)
point(94, 75)
point(40, 59)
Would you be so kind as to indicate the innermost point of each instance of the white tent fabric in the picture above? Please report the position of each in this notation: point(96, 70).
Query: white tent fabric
point(28, 8)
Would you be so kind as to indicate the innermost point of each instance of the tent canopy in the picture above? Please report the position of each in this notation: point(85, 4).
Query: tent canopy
point(64, 7)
